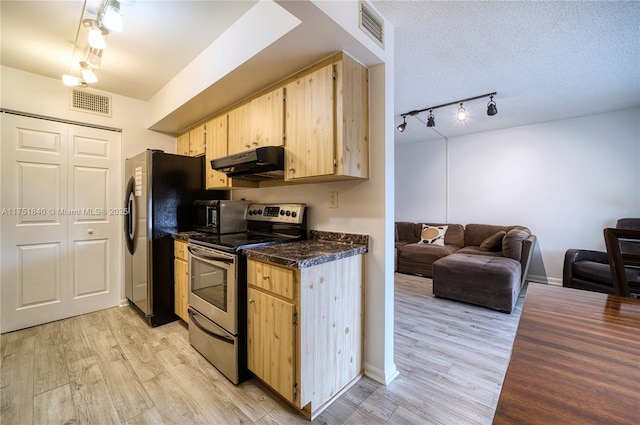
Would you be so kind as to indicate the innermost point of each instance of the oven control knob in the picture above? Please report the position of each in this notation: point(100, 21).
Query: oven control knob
point(259, 212)
point(288, 213)
point(281, 212)
point(294, 214)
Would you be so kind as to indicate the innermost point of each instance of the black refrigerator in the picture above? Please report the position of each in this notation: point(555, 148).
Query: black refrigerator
point(160, 189)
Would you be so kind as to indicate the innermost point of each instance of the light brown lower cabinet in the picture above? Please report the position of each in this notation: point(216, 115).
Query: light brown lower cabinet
point(181, 280)
point(305, 330)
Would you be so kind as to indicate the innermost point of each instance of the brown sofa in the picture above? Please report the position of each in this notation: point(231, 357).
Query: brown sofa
point(479, 263)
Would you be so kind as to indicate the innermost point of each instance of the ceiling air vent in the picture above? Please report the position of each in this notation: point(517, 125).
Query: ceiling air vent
point(371, 23)
point(85, 101)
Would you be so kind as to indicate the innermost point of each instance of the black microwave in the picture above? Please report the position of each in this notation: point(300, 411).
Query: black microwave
point(220, 216)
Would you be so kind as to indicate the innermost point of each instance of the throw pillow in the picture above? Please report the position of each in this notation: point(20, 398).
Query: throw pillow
point(433, 235)
point(493, 242)
point(512, 243)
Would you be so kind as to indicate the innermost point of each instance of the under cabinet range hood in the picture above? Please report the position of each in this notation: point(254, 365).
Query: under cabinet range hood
point(259, 164)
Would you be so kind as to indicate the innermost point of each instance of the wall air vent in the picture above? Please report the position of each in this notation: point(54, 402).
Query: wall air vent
point(85, 101)
point(371, 23)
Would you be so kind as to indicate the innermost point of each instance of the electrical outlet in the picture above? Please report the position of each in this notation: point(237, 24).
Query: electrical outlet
point(333, 199)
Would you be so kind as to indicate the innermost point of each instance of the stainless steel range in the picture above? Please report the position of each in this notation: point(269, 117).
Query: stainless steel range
point(218, 283)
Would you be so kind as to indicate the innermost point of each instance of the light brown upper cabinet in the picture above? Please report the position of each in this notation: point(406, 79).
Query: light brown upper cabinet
point(197, 141)
point(327, 123)
point(257, 123)
point(217, 147)
point(183, 144)
point(192, 143)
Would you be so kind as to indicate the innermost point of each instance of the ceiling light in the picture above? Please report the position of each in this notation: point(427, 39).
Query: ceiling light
point(87, 74)
point(402, 126)
point(112, 17)
point(96, 33)
point(462, 113)
point(491, 108)
point(431, 121)
point(71, 81)
point(94, 58)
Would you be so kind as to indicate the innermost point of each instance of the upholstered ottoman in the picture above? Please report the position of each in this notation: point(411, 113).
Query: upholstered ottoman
point(489, 281)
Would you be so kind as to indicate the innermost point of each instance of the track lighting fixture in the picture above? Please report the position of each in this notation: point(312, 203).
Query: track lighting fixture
point(491, 107)
point(87, 74)
point(402, 126)
point(112, 17)
point(94, 58)
point(96, 33)
point(461, 113)
point(109, 18)
point(431, 121)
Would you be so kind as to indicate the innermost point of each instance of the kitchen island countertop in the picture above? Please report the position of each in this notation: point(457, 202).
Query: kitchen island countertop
point(321, 247)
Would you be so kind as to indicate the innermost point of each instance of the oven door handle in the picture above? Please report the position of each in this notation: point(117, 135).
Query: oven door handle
point(222, 338)
point(201, 254)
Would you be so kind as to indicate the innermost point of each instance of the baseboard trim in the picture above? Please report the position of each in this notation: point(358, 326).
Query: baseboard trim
point(123, 302)
point(379, 375)
point(544, 279)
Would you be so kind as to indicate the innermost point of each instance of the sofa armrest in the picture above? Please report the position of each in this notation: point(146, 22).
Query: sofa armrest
point(573, 255)
point(527, 253)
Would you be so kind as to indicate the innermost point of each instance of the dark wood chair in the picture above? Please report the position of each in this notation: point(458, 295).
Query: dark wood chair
point(623, 250)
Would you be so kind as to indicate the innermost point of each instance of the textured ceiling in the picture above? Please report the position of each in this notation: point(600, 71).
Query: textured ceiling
point(546, 60)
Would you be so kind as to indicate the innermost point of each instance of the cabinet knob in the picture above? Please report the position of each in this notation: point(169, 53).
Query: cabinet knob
point(254, 143)
point(265, 277)
point(90, 231)
point(247, 145)
point(221, 180)
point(293, 170)
point(252, 301)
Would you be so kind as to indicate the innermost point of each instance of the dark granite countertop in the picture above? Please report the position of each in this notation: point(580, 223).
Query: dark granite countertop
point(321, 247)
point(184, 236)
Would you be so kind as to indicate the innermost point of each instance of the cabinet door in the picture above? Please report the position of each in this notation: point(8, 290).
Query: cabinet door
point(183, 144)
point(181, 270)
point(240, 129)
point(310, 125)
point(197, 141)
point(267, 119)
point(216, 148)
point(271, 345)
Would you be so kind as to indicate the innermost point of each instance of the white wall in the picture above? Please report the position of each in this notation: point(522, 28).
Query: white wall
point(566, 180)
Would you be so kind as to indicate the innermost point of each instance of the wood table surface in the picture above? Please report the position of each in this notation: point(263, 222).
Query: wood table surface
point(575, 360)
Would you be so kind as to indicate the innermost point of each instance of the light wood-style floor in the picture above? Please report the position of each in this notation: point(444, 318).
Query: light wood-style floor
point(110, 367)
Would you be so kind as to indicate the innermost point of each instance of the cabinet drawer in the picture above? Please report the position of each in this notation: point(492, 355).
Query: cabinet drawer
point(272, 278)
point(180, 250)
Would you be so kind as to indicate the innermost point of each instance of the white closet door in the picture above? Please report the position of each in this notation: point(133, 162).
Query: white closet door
point(48, 270)
point(95, 226)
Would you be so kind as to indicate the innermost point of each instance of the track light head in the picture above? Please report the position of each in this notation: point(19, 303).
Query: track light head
point(462, 113)
point(402, 126)
point(491, 108)
point(431, 121)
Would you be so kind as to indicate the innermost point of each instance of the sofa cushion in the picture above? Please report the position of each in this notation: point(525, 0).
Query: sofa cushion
point(415, 252)
point(492, 282)
point(493, 242)
point(475, 250)
point(433, 235)
point(599, 272)
point(407, 232)
point(512, 243)
point(475, 234)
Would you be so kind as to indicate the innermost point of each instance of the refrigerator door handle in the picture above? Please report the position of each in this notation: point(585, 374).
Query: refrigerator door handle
point(130, 222)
